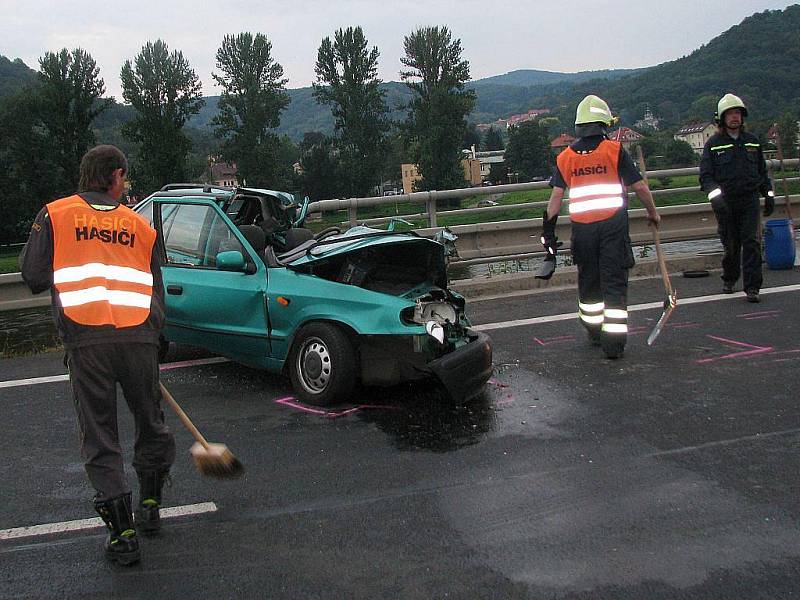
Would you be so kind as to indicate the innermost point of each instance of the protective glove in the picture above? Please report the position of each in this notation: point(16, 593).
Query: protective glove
point(769, 203)
point(551, 245)
point(549, 239)
point(718, 201)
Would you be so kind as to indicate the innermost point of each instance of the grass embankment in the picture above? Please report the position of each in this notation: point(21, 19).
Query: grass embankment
point(8, 260)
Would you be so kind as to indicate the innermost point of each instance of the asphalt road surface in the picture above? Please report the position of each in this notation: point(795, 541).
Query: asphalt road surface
point(672, 473)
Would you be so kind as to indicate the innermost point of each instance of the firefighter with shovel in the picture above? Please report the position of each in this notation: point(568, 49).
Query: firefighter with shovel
point(596, 171)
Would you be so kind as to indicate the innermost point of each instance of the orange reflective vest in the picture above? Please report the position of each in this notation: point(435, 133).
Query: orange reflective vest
point(595, 189)
point(101, 263)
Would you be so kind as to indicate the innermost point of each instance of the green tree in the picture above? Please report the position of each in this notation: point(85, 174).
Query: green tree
point(787, 132)
point(678, 153)
point(347, 81)
point(165, 92)
point(436, 75)
point(70, 98)
point(493, 140)
point(528, 151)
point(319, 166)
point(471, 137)
point(250, 106)
point(28, 170)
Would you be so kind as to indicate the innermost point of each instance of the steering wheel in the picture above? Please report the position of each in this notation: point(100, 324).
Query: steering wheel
point(333, 230)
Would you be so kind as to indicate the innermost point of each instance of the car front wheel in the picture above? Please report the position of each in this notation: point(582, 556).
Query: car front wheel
point(323, 364)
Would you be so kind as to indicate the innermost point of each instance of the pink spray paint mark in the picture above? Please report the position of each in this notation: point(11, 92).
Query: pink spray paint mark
point(683, 325)
point(496, 383)
point(193, 363)
point(760, 313)
point(754, 350)
point(553, 340)
point(637, 330)
point(292, 402)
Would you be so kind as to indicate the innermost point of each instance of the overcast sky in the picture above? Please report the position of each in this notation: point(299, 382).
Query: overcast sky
point(497, 36)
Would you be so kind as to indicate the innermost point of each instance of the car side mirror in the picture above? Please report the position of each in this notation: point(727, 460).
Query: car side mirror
point(231, 260)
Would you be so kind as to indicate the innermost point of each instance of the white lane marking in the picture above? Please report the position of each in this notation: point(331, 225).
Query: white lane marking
point(164, 367)
point(633, 308)
point(81, 524)
point(33, 381)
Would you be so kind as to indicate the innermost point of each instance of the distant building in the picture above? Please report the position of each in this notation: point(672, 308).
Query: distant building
point(648, 120)
point(531, 115)
point(696, 134)
point(772, 138)
point(625, 136)
point(561, 142)
point(223, 174)
point(471, 166)
point(486, 159)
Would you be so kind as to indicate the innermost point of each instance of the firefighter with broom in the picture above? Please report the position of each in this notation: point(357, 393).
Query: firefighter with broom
point(596, 169)
point(101, 263)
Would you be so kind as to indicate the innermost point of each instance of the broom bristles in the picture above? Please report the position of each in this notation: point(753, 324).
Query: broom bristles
point(216, 461)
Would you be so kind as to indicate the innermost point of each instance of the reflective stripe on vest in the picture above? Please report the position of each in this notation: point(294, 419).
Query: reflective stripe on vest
point(595, 190)
point(101, 263)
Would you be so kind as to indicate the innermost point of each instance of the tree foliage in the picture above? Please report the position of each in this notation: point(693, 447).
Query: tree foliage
point(165, 92)
point(347, 81)
point(70, 98)
point(787, 134)
point(493, 140)
point(320, 179)
point(28, 172)
point(436, 75)
point(252, 99)
point(528, 151)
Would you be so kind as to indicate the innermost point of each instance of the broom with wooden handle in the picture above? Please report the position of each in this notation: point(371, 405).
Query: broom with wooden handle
point(213, 460)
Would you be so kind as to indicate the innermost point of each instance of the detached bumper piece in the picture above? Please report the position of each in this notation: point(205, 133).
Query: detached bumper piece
point(464, 372)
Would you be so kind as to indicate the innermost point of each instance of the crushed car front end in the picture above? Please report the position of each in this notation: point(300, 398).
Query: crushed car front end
point(426, 332)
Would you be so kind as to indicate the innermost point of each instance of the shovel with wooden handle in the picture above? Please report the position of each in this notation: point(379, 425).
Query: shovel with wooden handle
point(672, 299)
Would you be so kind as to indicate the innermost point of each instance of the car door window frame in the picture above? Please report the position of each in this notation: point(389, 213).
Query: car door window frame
point(255, 264)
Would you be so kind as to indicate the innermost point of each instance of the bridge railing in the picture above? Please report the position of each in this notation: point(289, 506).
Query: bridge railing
point(489, 241)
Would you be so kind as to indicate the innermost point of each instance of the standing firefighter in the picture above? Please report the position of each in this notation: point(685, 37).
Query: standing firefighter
point(733, 173)
point(594, 169)
point(100, 261)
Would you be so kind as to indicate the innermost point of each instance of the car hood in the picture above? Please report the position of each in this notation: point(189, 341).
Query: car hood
point(399, 260)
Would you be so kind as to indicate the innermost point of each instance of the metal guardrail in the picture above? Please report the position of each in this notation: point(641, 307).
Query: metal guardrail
point(430, 199)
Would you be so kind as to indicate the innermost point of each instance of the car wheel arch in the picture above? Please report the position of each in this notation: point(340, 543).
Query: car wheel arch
point(323, 340)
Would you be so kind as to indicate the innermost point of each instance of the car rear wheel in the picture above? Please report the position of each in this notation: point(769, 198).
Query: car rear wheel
point(323, 364)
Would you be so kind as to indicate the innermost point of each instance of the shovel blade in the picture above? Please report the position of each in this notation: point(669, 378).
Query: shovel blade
point(547, 268)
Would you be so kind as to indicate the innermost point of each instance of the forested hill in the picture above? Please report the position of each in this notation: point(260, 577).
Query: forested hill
point(759, 59)
point(14, 74)
point(531, 77)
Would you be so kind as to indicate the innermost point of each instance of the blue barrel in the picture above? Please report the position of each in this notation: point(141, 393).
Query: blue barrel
point(779, 246)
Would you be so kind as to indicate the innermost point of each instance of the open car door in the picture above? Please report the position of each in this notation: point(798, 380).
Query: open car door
point(215, 283)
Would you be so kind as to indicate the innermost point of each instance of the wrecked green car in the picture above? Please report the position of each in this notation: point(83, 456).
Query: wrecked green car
point(246, 280)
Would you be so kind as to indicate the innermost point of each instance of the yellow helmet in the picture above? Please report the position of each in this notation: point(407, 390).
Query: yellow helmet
point(594, 110)
point(727, 102)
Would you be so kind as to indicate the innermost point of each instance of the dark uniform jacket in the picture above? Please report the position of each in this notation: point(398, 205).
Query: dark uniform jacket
point(736, 166)
point(36, 264)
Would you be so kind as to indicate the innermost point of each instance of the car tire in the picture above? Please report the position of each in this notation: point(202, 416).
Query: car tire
point(323, 363)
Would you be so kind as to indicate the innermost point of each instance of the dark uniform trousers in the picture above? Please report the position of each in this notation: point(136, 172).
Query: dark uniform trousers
point(737, 225)
point(94, 373)
point(602, 253)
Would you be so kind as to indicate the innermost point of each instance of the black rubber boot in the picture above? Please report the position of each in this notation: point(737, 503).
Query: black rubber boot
point(122, 546)
point(613, 350)
point(148, 517)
